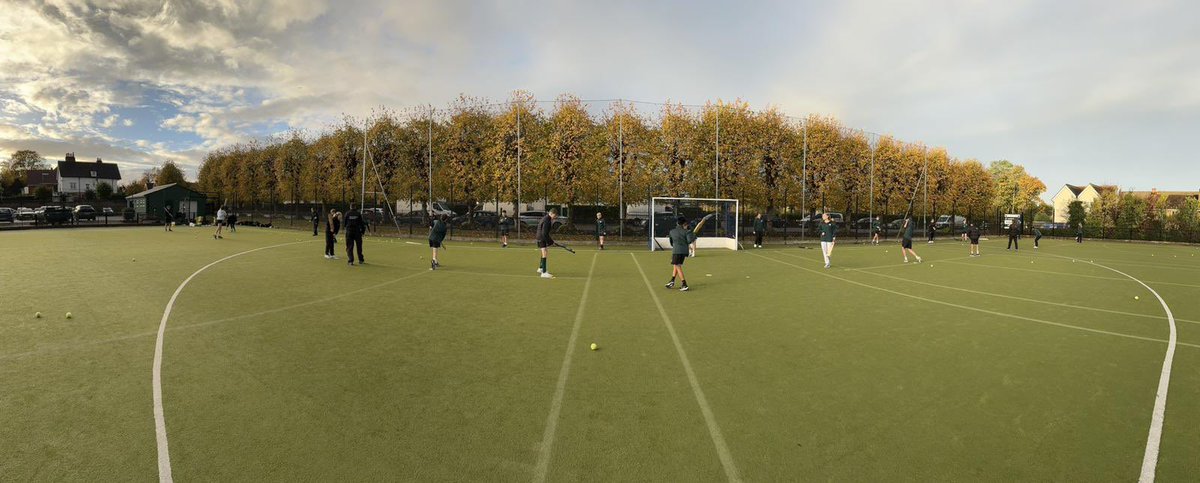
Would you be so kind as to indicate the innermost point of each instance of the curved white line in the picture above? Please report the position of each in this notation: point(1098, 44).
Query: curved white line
point(160, 425)
point(1153, 440)
point(1150, 457)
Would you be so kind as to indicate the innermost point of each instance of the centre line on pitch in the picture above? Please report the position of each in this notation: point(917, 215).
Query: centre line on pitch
point(731, 471)
point(160, 425)
point(560, 388)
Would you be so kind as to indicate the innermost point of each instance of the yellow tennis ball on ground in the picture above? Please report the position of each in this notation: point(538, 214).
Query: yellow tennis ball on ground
point(1135, 297)
point(594, 346)
point(68, 315)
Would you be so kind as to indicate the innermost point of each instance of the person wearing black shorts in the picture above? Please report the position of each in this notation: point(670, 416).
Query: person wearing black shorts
point(906, 240)
point(601, 229)
point(544, 242)
point(168, 217)
point(505, 225)
point(437, 234)
point(681, 238)
point(973, 236)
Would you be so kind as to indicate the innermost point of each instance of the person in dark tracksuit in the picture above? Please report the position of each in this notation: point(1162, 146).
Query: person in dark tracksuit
point(973, 236)
point(906, 240)
point(355, 226)
point(601, 229)
point(1079, 235)
point(1037, 235)
point(544, 241)
point(1014, 235)
point(505, 226)
point(437, 234)
point(168, 217)
point(315, 218)
point(760, 229)
point(333, 224)
point(681, 238)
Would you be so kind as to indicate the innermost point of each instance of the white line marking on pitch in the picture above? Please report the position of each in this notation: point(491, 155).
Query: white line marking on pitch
point(1154, 438)
point(731, 471)
point(160, 425)
point(964, 307)
point(1150, 458)
point(560, 388)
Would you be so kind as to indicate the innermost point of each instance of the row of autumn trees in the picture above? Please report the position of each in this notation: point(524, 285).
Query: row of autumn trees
point(1127, 215)
point(570, 155)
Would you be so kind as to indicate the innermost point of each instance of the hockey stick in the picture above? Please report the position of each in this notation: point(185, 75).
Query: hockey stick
point(564, 247)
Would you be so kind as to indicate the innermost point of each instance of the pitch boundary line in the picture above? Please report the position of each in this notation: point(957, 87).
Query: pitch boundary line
point(964, 307)
point(560, 388)
point(160, 425)
point(1012, 297)
point(731, 471)
point(1154, 438)
point(1065, 274)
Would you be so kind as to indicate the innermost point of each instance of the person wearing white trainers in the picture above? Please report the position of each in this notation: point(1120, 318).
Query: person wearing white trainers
point(828, 237)
point(544, 241)
point(906, 240)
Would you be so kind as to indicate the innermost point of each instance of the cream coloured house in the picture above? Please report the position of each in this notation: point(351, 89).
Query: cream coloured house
point(1087, 194)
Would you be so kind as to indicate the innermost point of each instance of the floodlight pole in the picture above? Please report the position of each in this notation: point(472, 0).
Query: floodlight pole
point(925, 208)
point(804, 182)
point(362, 197)
point(429, 157)
point(517, 209)
point(871, 195)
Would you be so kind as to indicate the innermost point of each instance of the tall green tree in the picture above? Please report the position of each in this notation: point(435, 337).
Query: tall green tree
point(169, 173)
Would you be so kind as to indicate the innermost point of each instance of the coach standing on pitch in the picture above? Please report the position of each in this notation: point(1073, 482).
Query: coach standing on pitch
point(1014, 234)
point(354, 232)
point(544, 242)
point(316, 219)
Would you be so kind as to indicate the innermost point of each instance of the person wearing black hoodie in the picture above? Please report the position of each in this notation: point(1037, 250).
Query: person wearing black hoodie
point(355, 226)
point(1014, 234)
point(437, 234)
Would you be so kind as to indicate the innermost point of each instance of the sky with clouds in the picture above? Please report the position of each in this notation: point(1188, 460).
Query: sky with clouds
point(1077, 91)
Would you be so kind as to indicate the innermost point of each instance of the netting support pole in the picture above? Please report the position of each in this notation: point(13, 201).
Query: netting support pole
point(621, 177)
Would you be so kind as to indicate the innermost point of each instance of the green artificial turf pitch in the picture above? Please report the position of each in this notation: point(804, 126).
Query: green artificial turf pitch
point(281, 365)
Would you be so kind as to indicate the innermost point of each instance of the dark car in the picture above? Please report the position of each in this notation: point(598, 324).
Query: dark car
point(85, 212)
point(411, 218)
point(56, 215)
point(107, 212)
point(478, 219)
point(8, 214)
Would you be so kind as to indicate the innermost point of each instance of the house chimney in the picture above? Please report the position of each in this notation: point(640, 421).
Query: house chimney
point(98, 161)
point(70, 157)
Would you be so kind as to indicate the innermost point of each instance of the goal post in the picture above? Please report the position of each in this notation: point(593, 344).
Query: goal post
point(714, 220)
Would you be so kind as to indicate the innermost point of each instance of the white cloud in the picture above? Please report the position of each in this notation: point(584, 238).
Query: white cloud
point(1073, 89)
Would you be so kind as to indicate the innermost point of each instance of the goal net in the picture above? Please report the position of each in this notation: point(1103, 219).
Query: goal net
point(715, 221)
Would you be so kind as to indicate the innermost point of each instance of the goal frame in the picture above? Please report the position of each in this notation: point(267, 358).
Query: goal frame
point(701, 242)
